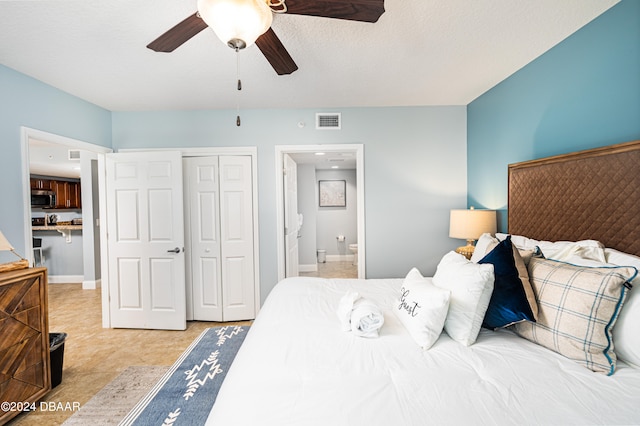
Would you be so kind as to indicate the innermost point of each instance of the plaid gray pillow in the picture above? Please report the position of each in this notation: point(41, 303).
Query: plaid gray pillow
point(577, 308)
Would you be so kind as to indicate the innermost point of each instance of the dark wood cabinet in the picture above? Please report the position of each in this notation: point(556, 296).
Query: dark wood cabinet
point(74, 199)
point(60, 188)
point(24, 339)
point(67, 192)
point(39, 183)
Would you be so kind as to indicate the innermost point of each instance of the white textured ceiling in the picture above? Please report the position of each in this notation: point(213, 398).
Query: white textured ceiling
point(420, 52)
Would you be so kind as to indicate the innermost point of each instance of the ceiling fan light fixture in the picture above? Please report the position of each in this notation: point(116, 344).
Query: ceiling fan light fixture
point(237, 23)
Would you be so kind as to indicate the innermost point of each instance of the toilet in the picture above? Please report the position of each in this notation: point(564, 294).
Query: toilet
point(354, 250)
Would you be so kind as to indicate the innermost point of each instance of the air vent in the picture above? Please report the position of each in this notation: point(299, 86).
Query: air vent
point(328, 120)
point(74, 154)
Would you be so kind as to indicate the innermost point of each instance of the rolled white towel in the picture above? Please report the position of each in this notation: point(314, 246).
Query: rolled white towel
point(366, 318)
point(344, 309)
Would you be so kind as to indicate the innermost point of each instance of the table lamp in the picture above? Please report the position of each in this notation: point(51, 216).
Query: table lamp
point(6, 246)
point(469, 225)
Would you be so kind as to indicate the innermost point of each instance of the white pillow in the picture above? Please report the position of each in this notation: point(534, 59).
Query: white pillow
point(582, 250)
point(422, 308)
point(551, 249)
point(626, 337)
point(471, 285)
point(484, 245)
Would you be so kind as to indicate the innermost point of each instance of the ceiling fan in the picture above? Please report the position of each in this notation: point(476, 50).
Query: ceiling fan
point(212, 13)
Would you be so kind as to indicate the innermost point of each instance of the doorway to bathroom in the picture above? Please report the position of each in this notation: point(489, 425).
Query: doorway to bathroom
point(320, 210)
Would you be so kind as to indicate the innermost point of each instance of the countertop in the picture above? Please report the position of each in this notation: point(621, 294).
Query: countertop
point(57, 228)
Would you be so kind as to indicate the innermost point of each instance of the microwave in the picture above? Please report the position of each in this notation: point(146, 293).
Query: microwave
point(43, 198)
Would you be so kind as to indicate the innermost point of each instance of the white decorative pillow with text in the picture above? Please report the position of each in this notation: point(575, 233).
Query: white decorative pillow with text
point(422, 308)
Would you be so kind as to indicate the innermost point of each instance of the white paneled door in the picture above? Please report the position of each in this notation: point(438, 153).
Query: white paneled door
point(202, 196)
point(146, 240)
point(221, 235)
point(291, 219)
point(236, 237)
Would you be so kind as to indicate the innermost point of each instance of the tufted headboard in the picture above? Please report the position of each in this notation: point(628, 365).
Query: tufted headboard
point(592, 194)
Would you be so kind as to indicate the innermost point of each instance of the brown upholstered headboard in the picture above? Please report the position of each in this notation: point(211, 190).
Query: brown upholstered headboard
point(593, 194)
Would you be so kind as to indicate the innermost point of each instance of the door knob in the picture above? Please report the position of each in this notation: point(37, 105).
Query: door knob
point(175, 250)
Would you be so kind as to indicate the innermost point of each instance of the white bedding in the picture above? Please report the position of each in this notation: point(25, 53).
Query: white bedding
point(296, 367)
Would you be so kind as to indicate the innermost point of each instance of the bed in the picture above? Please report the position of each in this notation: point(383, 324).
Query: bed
point(297, 367)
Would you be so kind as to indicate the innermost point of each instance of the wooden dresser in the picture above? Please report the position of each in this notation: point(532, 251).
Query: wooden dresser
point(24, 339)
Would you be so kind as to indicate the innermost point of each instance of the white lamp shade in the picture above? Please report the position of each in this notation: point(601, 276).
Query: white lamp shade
point(236, 19)
point(470, 224)
point(4, 243)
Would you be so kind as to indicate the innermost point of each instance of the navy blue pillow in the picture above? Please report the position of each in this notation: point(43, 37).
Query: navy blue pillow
point(508, 302)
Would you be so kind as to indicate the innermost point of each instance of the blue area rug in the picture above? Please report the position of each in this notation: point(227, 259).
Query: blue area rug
point(186, 393)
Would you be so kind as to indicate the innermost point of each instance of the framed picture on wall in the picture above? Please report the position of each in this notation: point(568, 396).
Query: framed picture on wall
point(333, 193)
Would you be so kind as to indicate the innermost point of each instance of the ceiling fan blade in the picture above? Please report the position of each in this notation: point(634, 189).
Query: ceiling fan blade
point(354, 10)
point(179, 34)
point(275, 52)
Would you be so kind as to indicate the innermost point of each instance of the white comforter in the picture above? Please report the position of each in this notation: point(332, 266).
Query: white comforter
point(296, 367)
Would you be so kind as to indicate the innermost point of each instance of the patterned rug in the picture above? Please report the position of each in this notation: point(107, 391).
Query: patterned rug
point(186, 393)
point(117, 398)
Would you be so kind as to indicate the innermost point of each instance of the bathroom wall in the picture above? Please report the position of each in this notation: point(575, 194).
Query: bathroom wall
point(334, 221)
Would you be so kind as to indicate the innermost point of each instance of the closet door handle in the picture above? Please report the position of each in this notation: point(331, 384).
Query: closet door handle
point(175, 250)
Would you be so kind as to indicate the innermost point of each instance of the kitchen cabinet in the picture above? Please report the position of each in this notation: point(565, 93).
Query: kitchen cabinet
point(40, 183)
point(59, 187)
point(73, 196)
point(24, 339)
point(67, 192)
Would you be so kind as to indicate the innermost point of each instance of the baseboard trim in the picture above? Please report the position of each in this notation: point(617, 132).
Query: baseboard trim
point(308, 268)
point(339, 258)
point(92, 284)
point(65, 279)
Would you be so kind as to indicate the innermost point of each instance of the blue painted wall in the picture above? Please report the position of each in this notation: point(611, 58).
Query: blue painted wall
point(27, 102)
point(415, 170)
point(583, 93)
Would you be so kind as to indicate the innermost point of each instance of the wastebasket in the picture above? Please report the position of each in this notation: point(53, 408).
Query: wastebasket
point(322, 256)
point(56, 352)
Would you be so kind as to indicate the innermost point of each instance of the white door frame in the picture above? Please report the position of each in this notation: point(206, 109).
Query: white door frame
point(186, 152)
point(26, 134)
point(358, 149)
point(292, 227)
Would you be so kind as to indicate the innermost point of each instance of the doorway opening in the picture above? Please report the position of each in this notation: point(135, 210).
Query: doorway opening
point(341, 168)
point(64, 160)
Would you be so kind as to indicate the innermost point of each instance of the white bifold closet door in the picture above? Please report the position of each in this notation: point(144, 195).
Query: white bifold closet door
point(219, 229)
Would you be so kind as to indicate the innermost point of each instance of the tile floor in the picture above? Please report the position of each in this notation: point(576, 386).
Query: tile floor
point(334, 270)
point(94, 356)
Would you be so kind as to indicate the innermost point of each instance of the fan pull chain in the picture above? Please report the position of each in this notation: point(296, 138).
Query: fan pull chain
point(239, 86)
